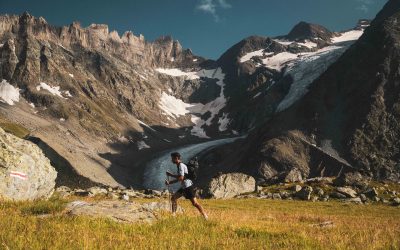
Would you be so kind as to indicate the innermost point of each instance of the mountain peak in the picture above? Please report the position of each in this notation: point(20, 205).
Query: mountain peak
point(304, 30)
point(390, 8)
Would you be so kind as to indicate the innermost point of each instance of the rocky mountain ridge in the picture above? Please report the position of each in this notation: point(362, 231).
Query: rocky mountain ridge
point(345, 125)
point(105, 103)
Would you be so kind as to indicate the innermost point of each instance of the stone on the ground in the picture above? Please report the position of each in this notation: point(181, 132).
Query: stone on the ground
point(25, 172)
point(396, 202)
point(296, 188)
point(94, 191)
point(125, 197)
point(349, 192)
point(371, 193)
point(319, 191)
point(276, 196)
point(363, 197)
point(63, 191)
point(230, 185)
point(337, 195)
point(352, 179)
point(120, 211)
point(81, 192)
point(161, 206)
point(305, 193)
point(113, 196)
point(319, 180)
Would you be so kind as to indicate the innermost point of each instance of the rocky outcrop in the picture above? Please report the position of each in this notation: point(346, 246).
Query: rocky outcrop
point(230, 185)
point(25, 173)
point(119, 211)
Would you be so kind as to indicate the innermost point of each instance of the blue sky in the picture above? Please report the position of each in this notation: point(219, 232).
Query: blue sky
point(208, 27)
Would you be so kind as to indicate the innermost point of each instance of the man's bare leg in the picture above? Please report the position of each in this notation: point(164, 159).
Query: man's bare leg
point(196, 204)
point(174, 201)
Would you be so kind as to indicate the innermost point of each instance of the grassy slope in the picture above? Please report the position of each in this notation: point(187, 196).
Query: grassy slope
point(239, 224)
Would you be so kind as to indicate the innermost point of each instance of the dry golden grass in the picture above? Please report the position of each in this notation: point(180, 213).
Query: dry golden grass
point(233, 224)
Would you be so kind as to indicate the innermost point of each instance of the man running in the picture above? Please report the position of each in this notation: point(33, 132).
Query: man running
point(186, 189)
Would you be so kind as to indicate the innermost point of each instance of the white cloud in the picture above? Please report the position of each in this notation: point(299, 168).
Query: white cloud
point(224, 4)
point(211, 7)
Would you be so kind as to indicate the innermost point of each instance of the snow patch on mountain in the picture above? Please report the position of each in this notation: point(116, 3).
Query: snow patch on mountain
point(176, 107)
point(178, 73)
point(351, 35)
point(173, 106)
point(54, 90)
point(306, 69)
point(278, 61)
point(307, 43)
point(248, 56)
point(8, 93)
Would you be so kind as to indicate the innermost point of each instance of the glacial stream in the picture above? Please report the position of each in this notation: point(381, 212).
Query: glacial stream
point(154, 175)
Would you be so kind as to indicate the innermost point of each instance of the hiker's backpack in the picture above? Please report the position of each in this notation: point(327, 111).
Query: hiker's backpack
point(192, 166)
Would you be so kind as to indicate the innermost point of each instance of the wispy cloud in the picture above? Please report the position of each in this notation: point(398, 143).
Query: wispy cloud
point(364, 5)
point(212, 6)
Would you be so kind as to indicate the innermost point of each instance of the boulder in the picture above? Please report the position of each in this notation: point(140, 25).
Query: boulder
point(352, 179)
point(94, 191)
point(230, 185)
point(276, 196)
point(363, 198)
point(64, 191)
point(25, 172)
point(319, 191)
point(305, 193)
point(161, 207)
point(296, 188)
point(120, 211)
point(396, 202)
point(350, 193)
point(338, 195)
point(320, 180)
point(371, 193)
point(294, 175)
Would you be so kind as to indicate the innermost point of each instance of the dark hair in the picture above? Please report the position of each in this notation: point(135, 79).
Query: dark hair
point(176, 154)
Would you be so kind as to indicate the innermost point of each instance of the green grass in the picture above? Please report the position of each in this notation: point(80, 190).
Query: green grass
point(233, 224)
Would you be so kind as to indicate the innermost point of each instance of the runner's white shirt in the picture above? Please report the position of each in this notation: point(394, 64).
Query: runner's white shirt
point(182, 171)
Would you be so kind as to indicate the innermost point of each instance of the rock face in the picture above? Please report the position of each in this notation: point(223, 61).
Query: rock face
point(120, 211)
point(25, 173)
point(347, 122)
point(230, 185)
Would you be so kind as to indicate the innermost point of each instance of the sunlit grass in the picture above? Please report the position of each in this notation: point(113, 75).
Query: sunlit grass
point(233, 224)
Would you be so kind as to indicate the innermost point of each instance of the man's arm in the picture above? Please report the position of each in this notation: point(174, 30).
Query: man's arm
point(178, 178)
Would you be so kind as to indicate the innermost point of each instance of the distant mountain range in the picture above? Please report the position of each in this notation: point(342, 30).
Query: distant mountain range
point(313, 102)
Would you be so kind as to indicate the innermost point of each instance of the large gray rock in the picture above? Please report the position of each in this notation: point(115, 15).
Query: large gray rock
point(352, 179)
point(120, 211)
point(294, 175)
point(349, 192)
point(25, 173)
point(230, 185)
point(305, 193)
point(371, 193)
